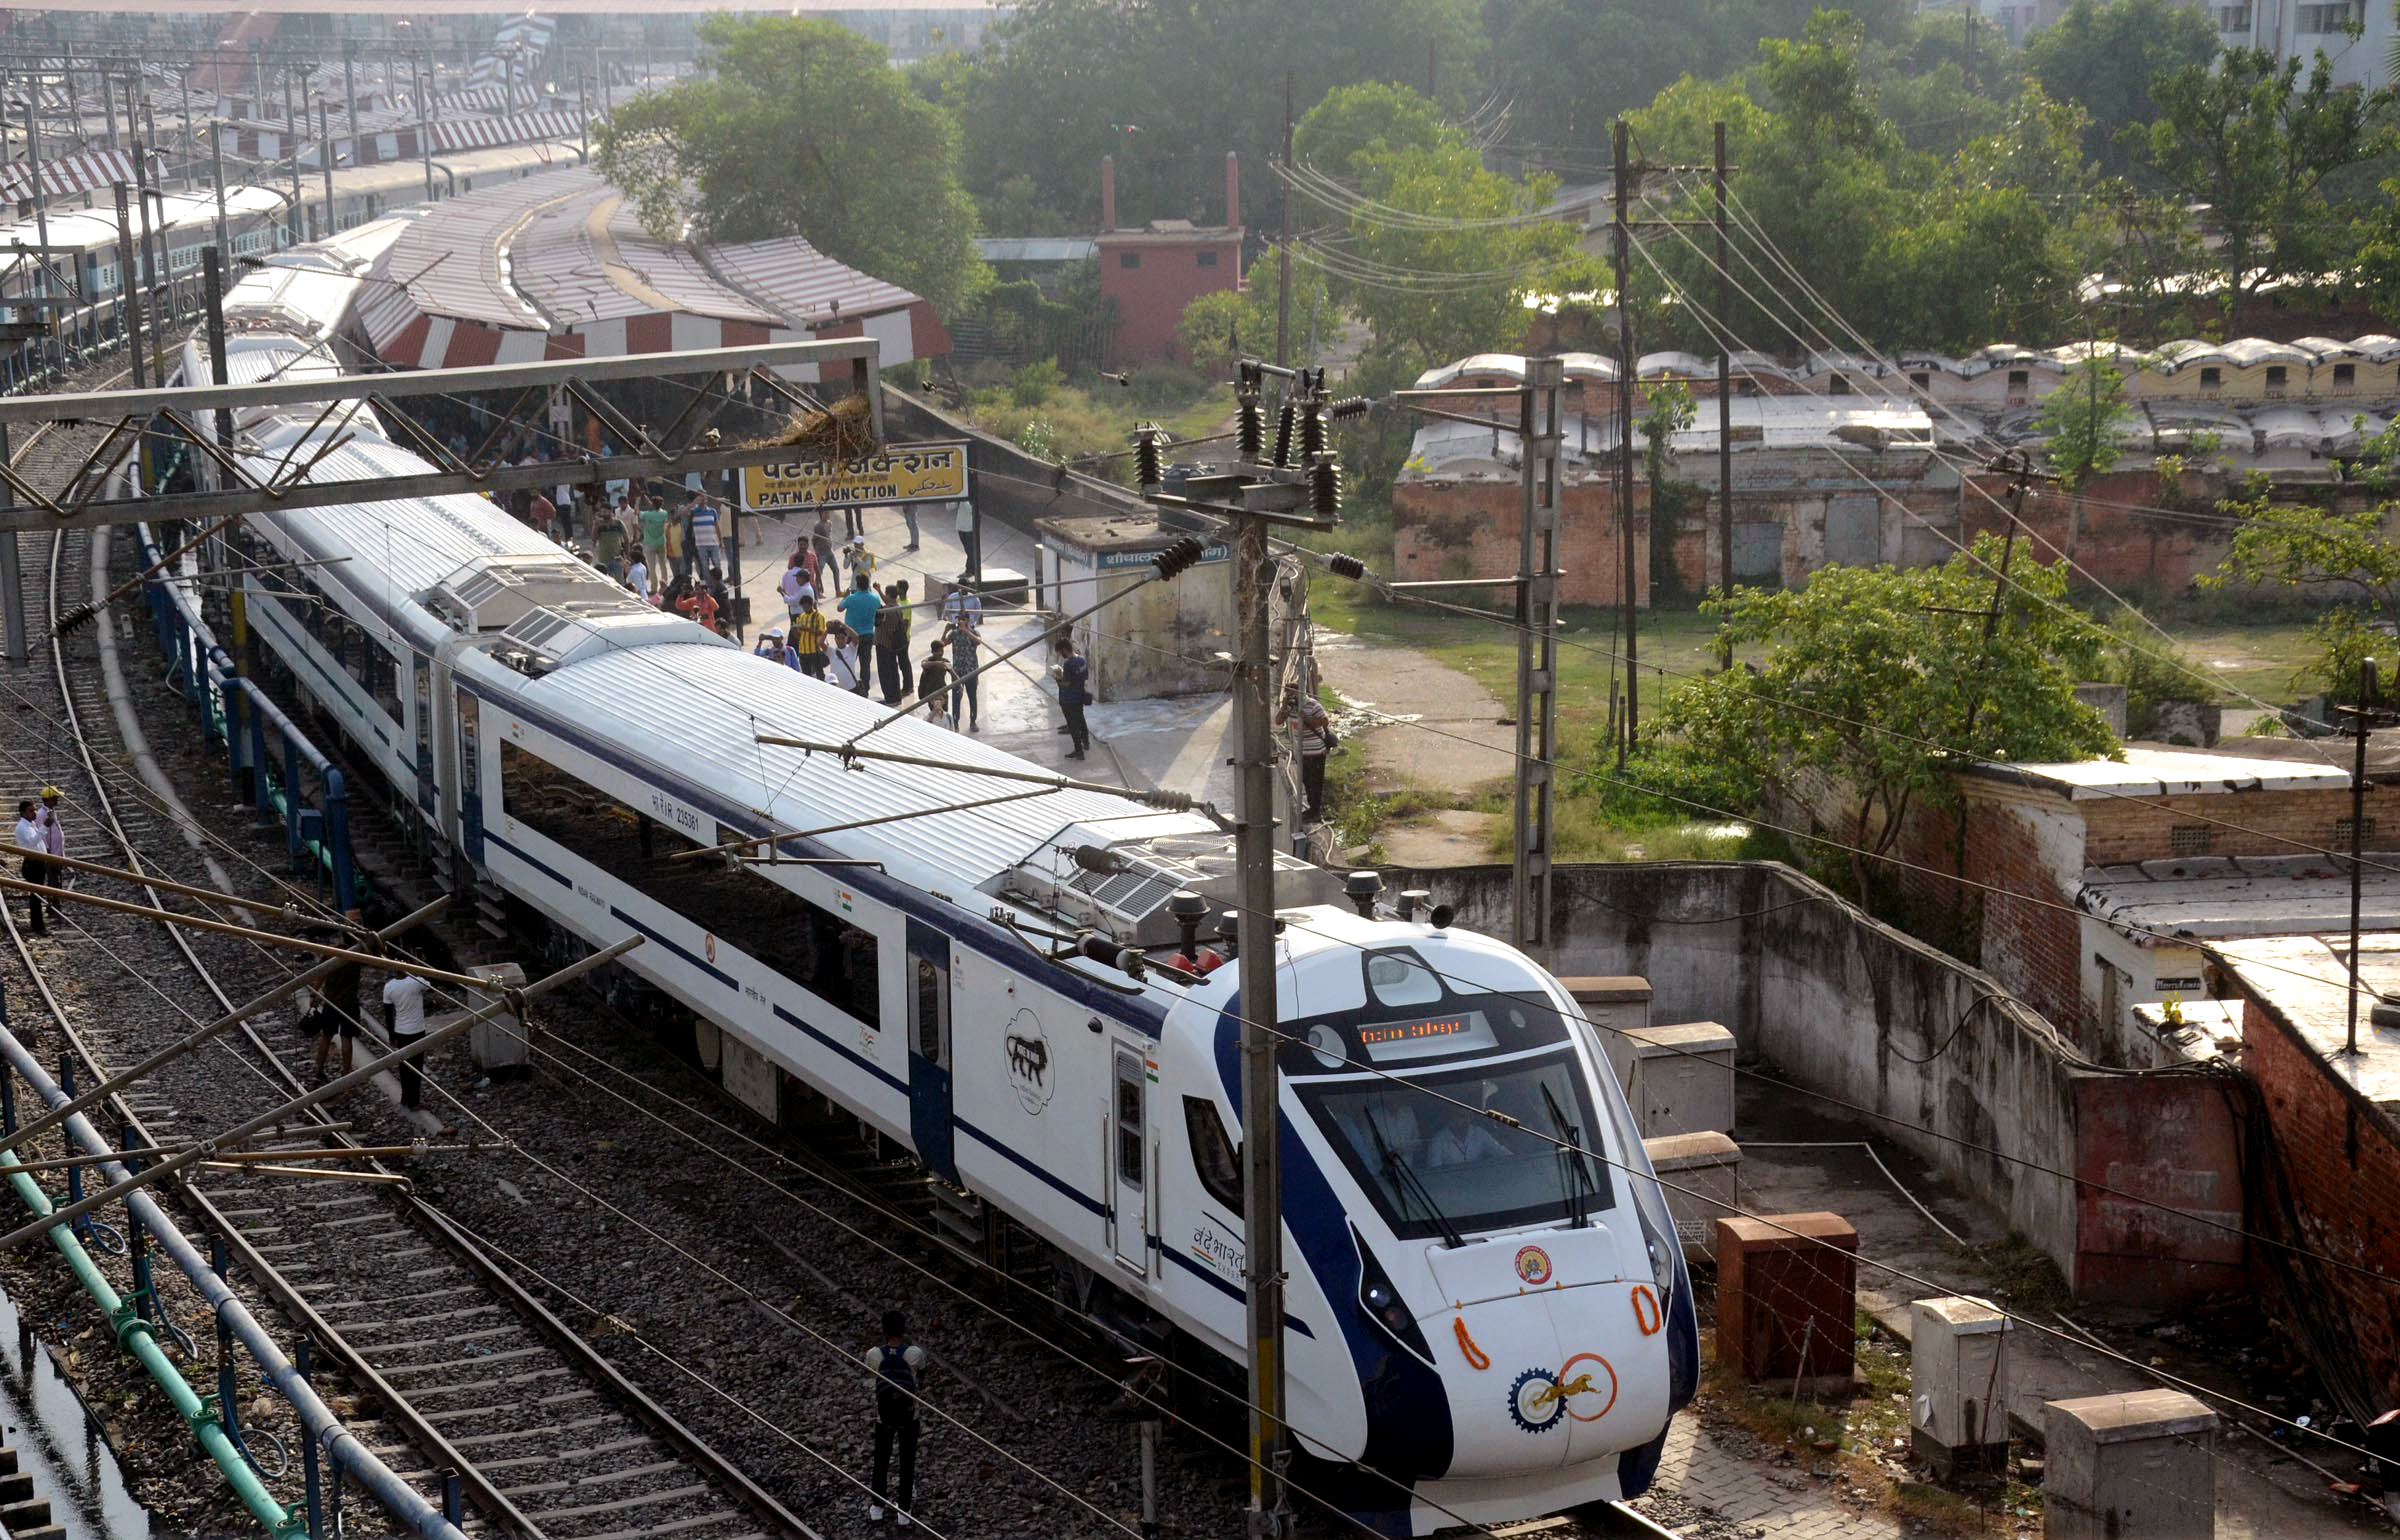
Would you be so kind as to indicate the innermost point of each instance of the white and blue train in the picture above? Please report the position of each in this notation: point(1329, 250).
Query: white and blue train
point(1481, 1327)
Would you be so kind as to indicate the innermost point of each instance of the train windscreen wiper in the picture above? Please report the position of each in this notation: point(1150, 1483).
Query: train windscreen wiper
point(1570, 1153)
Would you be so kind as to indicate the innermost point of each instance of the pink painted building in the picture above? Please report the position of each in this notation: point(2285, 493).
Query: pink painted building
point(1154, 272)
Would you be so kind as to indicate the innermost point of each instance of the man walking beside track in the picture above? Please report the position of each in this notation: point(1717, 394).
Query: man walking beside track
point(898, 1365)
point(31, 844)
point(404, 1021)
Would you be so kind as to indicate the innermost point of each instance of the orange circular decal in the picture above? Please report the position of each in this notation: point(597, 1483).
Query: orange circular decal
point(1581, 1387)
point(1533, 1265)
point(1646, 1313)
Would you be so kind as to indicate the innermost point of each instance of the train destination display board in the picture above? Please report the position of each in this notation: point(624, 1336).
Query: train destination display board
point(902, 473)
point(1453, 1032)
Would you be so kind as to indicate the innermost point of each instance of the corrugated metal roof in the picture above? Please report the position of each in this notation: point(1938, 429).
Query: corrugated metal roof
point(586, 258)
point(802, 283)
point(694, 713)
point(1036, 248)
point(454, 265)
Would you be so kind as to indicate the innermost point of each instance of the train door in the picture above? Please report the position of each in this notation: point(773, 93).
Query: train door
point(470, 778)
point(1129, 1158)
point(423, 670)
point(929, 1049)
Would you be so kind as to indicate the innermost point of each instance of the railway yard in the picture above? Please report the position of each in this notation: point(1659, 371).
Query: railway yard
point(634, 1282)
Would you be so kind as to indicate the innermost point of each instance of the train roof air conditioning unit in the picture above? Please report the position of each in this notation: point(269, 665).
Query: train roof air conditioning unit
point(1122, 889)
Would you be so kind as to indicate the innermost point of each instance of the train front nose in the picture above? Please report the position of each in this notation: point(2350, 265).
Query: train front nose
point(1550, 1355)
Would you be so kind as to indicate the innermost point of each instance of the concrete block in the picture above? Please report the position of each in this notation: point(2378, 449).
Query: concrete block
point(1614, 1004)
point(2136, 1466)
point(499, 1042)
point(1678, 1079)
point(1787, 1300)
point(1709, 1167)
point(750, 1076)
point(1958, 1381)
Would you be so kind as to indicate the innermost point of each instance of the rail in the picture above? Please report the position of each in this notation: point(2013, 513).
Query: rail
point(234, 711)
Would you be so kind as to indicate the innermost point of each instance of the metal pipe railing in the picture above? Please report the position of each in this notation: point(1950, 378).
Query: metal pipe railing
point(352, 1460)
point(251, 722)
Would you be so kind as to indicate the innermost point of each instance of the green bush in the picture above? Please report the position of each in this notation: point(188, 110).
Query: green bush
point(2153, 670)
point(1035, 383)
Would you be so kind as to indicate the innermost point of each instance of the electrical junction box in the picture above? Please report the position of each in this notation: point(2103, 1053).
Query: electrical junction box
point(1787, 1301)
point(2140, 1465)
point(1615, 1004)
point(1958, 1385)
point(497, 1042)
point(1679, 1079)
point(1702, 1174)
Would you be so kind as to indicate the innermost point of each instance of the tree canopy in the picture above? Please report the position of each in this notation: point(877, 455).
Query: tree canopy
point(2103, 58)
point(1862, 650)
point(874, 182)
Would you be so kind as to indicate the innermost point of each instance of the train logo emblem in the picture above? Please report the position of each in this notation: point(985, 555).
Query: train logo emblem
point(1533, 1266)
point(708, 944)
point(1534, 1401)
point(1029, 1062)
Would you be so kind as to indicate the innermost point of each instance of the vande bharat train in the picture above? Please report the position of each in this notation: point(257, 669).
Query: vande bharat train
point(1482, 1326)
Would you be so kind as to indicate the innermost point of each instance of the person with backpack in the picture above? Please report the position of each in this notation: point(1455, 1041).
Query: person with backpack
point(896, 1365)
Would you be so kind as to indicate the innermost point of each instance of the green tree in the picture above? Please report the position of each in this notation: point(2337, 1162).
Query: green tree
point(2267, 152)
point(1167, 87)
point(874, 183)
point(1218, 329)
point(2103, 58)
point(1680, 122)
point(1862, 649)
point(1345, 135)
point(2084, 421)
point(2349, 558)
point(1443, 269)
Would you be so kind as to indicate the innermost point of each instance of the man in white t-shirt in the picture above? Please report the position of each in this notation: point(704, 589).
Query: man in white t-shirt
point(404, 1021)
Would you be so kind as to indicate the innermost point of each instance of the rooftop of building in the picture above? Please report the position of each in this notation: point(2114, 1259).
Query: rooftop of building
point(1170, 232)
point(2303, 981)
point(2200, 898)
point(2162, 772)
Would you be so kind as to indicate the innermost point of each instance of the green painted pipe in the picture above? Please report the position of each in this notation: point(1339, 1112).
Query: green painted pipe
point(133, 1334)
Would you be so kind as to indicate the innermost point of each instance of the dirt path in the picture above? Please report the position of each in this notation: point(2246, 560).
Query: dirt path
point(1423, 724)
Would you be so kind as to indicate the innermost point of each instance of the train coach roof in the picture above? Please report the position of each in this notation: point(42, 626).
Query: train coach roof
point(694, 711)
point(402, 546)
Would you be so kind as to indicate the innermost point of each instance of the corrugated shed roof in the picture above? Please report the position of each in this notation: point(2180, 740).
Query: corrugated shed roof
point(801, 283)
point(1035, 248)
point(586, 258)
point(452, 263)
point(694, 712)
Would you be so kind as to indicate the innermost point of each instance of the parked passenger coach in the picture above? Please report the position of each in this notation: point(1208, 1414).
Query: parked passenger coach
point(1492, 1314)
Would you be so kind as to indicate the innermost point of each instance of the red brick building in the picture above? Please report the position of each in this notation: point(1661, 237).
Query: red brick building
point(2332, 1113)
point(1155, 272)
point(2047, 839)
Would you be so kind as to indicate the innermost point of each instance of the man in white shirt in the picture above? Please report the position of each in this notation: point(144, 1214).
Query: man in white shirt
point(33, 843)
point(637, 577)
point(404, 1021)
point(970, 539)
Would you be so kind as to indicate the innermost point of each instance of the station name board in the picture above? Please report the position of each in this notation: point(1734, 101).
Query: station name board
point(903, 473)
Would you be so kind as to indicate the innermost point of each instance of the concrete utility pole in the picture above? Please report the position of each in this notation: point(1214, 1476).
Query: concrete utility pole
point(325, 155)
point(128, 295)
point(291, 150)
point(1283, 244)
point(425, 127)
point(2362, 721)
point(350, 102)
point(1724, 405)
point(1624, 252)
point(216, 166)
point(1538, 441)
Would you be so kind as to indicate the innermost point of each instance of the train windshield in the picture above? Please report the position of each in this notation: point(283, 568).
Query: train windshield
point(1436, 1166)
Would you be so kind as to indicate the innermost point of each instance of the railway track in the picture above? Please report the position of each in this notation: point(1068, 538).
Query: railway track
point(452, 1366)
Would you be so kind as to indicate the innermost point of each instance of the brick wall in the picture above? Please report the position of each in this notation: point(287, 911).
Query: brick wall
point(1462, 529)
point(2118, 829)
point(2343, 1157)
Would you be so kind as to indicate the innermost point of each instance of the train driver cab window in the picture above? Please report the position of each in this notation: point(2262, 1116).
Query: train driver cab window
point(1215, 1160)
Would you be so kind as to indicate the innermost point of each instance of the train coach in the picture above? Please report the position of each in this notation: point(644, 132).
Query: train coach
point(1488, 1316)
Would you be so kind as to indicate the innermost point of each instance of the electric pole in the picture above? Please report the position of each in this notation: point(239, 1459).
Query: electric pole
point(1724, 408)
point(1538, 443)
point(129, 296)
point(1299, 483)
point(1283, 246)
point(325, 155)
point(1624, 252)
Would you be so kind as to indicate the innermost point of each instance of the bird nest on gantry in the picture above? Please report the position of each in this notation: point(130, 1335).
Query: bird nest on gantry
point(842, 431)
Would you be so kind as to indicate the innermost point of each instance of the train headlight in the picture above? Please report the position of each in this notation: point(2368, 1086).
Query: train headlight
point(1662, 1250)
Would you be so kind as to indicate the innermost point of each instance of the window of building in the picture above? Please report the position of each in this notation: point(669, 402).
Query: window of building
point(2020, 381)
point(2233, 18)
point(1920, 379)
point(2345, 378)
point(816, 949)
point(2278, 379)
point(1214, 1158)
point(2190, 839)
point(1129, 259)
point(2341, 834)
point(1840, 386)
point(2337, 16)
point(2212, 379)
point(1208, 259)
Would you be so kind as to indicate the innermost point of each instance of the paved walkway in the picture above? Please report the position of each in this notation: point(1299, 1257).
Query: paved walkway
point(1779, 1502)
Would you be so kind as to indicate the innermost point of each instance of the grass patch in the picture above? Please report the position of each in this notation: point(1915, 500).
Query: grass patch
point(1937, 1508)
point(2023, 1276)
point(1070, 421)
